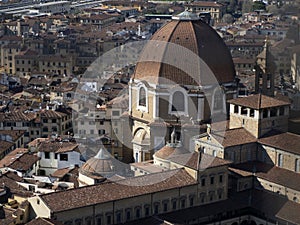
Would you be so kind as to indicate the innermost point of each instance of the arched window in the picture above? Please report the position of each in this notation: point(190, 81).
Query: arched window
point(218, 100)
point(178, 101)
point(142, 97)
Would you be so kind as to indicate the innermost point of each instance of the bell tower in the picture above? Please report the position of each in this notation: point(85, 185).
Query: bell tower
point(264, 71)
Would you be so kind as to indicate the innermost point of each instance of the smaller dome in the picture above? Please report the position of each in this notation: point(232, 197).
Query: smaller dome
point(103, 165)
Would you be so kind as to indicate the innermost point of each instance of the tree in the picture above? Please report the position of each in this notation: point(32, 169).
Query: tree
point(246, 6)
point(258, 6)
point(227, 18)
point(231, 8)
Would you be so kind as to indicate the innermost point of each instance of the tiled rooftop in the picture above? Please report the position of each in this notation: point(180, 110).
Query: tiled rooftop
point(285, 141)
point(258, 101)
point(105, 192)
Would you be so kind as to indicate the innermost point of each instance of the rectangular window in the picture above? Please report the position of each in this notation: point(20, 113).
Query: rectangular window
point(156, 209)
point(236, 109)
point(244, 111)
point(128, 215)
point(280, 158)
point(251, 112)
point(212, 180)
point(182, 203)
point(147, 211)
point(99, 221)
point(273, 112)
point(191, 201)
point(108, 220)
point(138, 213)
point(63, 157)
point(118, 217)
point(165, 207)
point(221, 178)
point(203, 182)
point(115, 113)
point(281, 111)
point(174, 205)
point(47, 155)
point(265, 113)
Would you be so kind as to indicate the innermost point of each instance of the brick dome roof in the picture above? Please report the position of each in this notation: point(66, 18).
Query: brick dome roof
point(188, 31)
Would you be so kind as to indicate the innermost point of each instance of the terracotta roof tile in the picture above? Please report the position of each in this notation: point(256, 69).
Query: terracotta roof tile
point(234, 137)
point(290, 212)
point(44, 221)
point(105, 192)
point(285, 141)
point(258, 101)
point(272, 173)
point(58, 147)
point(191, 160)
point(11, 157)
point(24, 162)
point(195, 36)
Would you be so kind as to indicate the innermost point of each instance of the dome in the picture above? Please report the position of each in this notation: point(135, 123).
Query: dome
point(103, 165)
point(188, 31)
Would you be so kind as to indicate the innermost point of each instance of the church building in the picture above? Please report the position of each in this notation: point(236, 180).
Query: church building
point(179, 83)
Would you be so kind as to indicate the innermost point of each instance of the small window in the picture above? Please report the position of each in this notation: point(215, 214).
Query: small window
point(191, 201)
point(203, 182)
point(147, 210)
point(128, 215)
point(115, 113)
point(47, 155)
point(78, 222)
point(212, 180)
point(118, 217)
point(265, 113)
point(156, 209)
point(202, 197)
point(165, 206)
point(182, 203)
point(280, 158)
point(214, 153)
point(251, 112)
point(281, 111)
point(99, 221)
point(174, 204)
point(297, 165)
point(63, 157)
point(108, 220)
point(138, 213)
point(236, 109)
point(142, 97)
point(178, 101)
point(220, 178)
point(244, 111)
point(273, 112)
